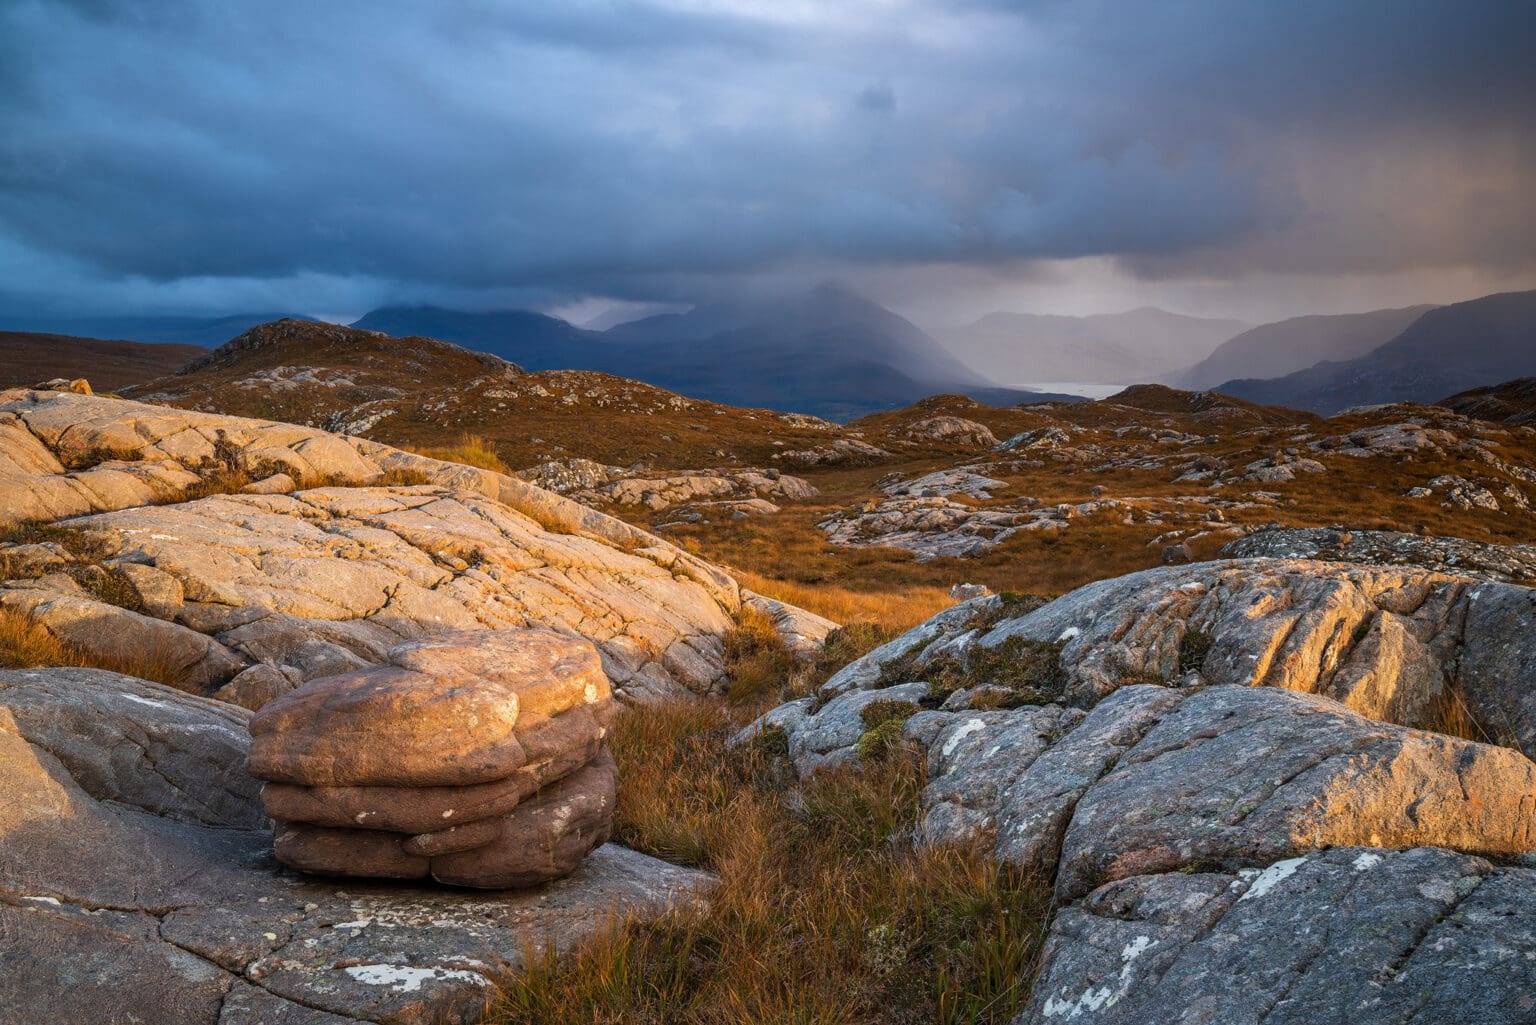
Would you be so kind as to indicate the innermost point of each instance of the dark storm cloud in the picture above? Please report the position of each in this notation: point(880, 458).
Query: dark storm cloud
point(186, 153)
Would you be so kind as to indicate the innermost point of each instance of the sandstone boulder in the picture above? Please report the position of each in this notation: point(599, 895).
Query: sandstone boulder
point(137, 883)
point(474, 757)
point(442, 713)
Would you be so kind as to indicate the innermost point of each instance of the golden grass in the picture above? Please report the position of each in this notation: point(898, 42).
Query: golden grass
point(469, 449)
point(1449, 713)
point(818, 916)
point(902, 607)
point(27, 644)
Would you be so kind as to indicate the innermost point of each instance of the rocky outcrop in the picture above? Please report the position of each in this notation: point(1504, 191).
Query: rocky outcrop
point(256, 593)
point(1351, 934)
point(137, 881)
point(954, 430)
point(804, 633)
point(662, 492)
point(500, 734)
point(1507, 563)
point(1218, 766)
point(842, 451)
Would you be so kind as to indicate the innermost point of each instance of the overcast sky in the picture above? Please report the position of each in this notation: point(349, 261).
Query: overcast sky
point(1249, 159)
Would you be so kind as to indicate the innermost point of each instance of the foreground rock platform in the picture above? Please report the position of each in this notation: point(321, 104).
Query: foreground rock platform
point(1220, 767)
point(137, 882)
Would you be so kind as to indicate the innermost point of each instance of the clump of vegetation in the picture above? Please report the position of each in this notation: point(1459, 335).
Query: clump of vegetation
point(1014, 604)
point(850, 642)
point(818, 916)
point(878, 713)
point(1194, 646)
point(400, 477)
point(1029, 671)
point(1449, 713)
point(87, 551)
point(469, 449)
point(90, 457)
point(756, 661)
point(27, 644)
point(883, 721)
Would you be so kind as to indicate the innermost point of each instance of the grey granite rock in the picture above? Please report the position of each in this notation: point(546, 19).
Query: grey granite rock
point(1351, 936)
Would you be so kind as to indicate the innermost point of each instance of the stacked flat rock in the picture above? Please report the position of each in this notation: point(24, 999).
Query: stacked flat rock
point(475, 757)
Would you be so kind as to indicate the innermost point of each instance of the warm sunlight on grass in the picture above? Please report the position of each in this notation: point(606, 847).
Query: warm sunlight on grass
point(825, 911)
point(902, 607)
point(818, 916)
point(26, 644)
point(469, 449)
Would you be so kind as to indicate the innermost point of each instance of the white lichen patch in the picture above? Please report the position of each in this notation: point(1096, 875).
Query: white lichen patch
point(1366, 861)
point(971, 726)
point(1271, 877)
point(151, 702)
point(1090, 1000)
point(405, 979)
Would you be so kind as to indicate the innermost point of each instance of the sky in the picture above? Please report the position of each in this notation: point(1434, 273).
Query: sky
point(1216, 157)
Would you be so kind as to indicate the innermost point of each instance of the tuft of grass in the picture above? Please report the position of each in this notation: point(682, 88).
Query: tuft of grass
point(756, 660)
point(90, 457)
point(819, 915)
point(469, 449)
point(402, 478)
point(847, 643)
point(1450, 714)
point(878, 713)
point(27, 644)
point(902, 607)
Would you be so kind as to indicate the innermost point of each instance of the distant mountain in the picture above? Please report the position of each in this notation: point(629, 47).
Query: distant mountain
point(1449, 349)
point(1108, 348)
point(1510, 402)
point(208, 332)
point(1286, 346)
point(825, 351)
point(28, 358)
point(533, 340)
point(420, 392)
point(1159, 398)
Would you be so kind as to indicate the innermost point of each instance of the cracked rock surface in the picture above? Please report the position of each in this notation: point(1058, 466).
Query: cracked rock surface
point(134, 854)
point(1224, 778)
point(257, 592)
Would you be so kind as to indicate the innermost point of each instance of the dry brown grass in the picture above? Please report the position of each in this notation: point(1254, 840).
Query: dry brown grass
point(818, 916)
point(905, 607)
point(469, 449)
point(1449, 713)
point(26, 644)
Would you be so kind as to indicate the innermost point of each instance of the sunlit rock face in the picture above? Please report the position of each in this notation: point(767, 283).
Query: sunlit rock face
point(261, 588)
point(1230, 771)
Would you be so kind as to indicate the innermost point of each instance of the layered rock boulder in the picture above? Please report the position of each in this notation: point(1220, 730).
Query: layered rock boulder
point(475, 758)
point(137, 881)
